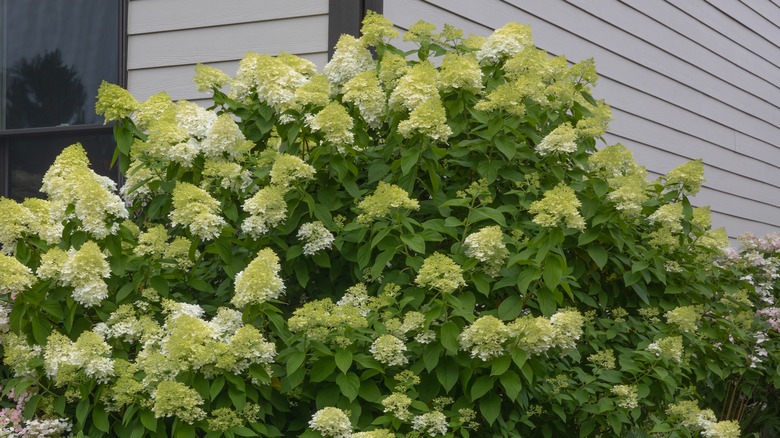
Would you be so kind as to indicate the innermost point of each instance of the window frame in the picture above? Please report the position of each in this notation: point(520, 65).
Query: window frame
point(8, 134)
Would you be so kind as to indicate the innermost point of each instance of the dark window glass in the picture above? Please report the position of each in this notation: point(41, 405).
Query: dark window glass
point(30, 156)
point(53, 56)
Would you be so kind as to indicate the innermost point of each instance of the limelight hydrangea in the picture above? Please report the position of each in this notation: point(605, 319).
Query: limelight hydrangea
point(349, 60)
point(532, 334)
point(197, 210)
point(509, 96)
point(386, 198)
point(392, 68)
point(670, 348)
point(179, 400)
point(376, 433)
point(629, 191)
point(558, 206)
point(596, 124)
point(429, 118)
point(315, 92)
point(287, 169)
point(505, 42)
point(321, 318)
point(397, 404)
point(612, 161)
point(331, 422)
point(487, 246)
point(152, 242)
point(376, 29)
point(65, 360)
point(249, 347)
point(485, 338)
point(85, 270)
point(686, 318)
point(69, 181)
point(316, 236)
point(179, 251)
point(567, 328)
point(194, 119)
point(366, 94)
point(260, 281)
point(604, 359)
point(152, 110)
point(686, 178)
point(273, 79)
point(460, 72)
point(267, 209)
point(225, 137)
point(335, 123)
point(628, 397)
point(14, 276)
point(164, 140)
point(415, 87)
point(227, 175)
point(13, 223)
point(669, 216)
point(137, 181)
point(42, 223)
point(420, 32)
point(20, 356)
point(52, 262)
point(562, 139)
point(114, 102)
point(440, 273)
point(389, 350)
point(433, 423)
point(208, 78)
point(704, 420)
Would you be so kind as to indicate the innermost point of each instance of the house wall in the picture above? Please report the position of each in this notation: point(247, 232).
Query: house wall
point(167, 38)
point(686, 79)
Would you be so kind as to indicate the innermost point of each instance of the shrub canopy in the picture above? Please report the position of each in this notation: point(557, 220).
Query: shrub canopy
point(426, 243)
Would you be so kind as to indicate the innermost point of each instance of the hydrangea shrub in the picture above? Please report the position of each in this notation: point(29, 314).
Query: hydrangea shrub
point(413, 244)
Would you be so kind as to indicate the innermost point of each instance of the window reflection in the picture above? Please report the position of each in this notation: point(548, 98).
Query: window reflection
point(54, 55)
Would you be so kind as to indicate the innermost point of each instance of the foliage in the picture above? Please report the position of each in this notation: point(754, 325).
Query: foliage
point(424, 244)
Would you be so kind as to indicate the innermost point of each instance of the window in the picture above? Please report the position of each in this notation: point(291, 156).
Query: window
point(53, 56)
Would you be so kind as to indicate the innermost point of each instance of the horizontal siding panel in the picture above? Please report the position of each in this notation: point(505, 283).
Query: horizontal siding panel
point(177, 80)
point(767, 9)
point(215, 44)
point(695, 30)
point(721, 23)
point(736, 226)
point(694, 64)
point(148, 16)
point(749, 19)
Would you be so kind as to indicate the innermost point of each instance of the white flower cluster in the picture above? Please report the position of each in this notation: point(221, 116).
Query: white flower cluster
point(316, 236)
point(389, 350)
point(260, 281)
point(90, 354)
point(331, 422)
point(432, 423)
point(84, 270)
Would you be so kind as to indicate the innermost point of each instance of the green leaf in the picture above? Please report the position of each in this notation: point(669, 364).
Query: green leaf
point(148, 420)
point(216, 387)
point(510, 308)
point(349, 384)
point(160, 284)
point(431, 356)
point(553, 271)
point(344, 360)
point(490, 407)
point(415, 242)
point(295, 360)
point(449, 336)
point(31, 406)
point(82, 409)
point(506, 145)
point(511, 383)
point(322, 369)
point(598, 254)
point(481, 386)
point(100, 419)
point(447, 374)
point(500, 365)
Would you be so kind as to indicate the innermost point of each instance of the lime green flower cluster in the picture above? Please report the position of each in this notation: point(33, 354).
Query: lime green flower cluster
point(429, 119)
point(376, 29)
point(14, 276)
point(686, 318)
point(316, 236)
point(392, 68)
point(13, 224)
point(432, 423)
point(260, 281)
point(440, 273)
point(485, 338)
point(336, 125)
point(385, 199)
point(627, 395)
point(197, 210)
point(323, 319)
point(505, 42)
point(208, 78)
point(71, 363)
point(288, 169)
point(691, 416)
point(365, 92)
point(272, 79)
point(669, 348)
point(604, 359)
point(157, 107)
point(315, 92)
point(70, 181)
point(224, 138)
point(20, 356)
point(558, 206)
point(686, 178)
point(114, 102)
point(460, 72)
point(331, 422)
point(389, 350)
point(177, 399)
point(84, 270)
point(561, 140)
point(350, 58)
point(537, 335)
point(267, 209)
point(397, 404)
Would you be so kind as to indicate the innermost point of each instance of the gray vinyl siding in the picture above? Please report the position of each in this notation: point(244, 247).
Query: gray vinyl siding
point(167, 38)
point(686, 79)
